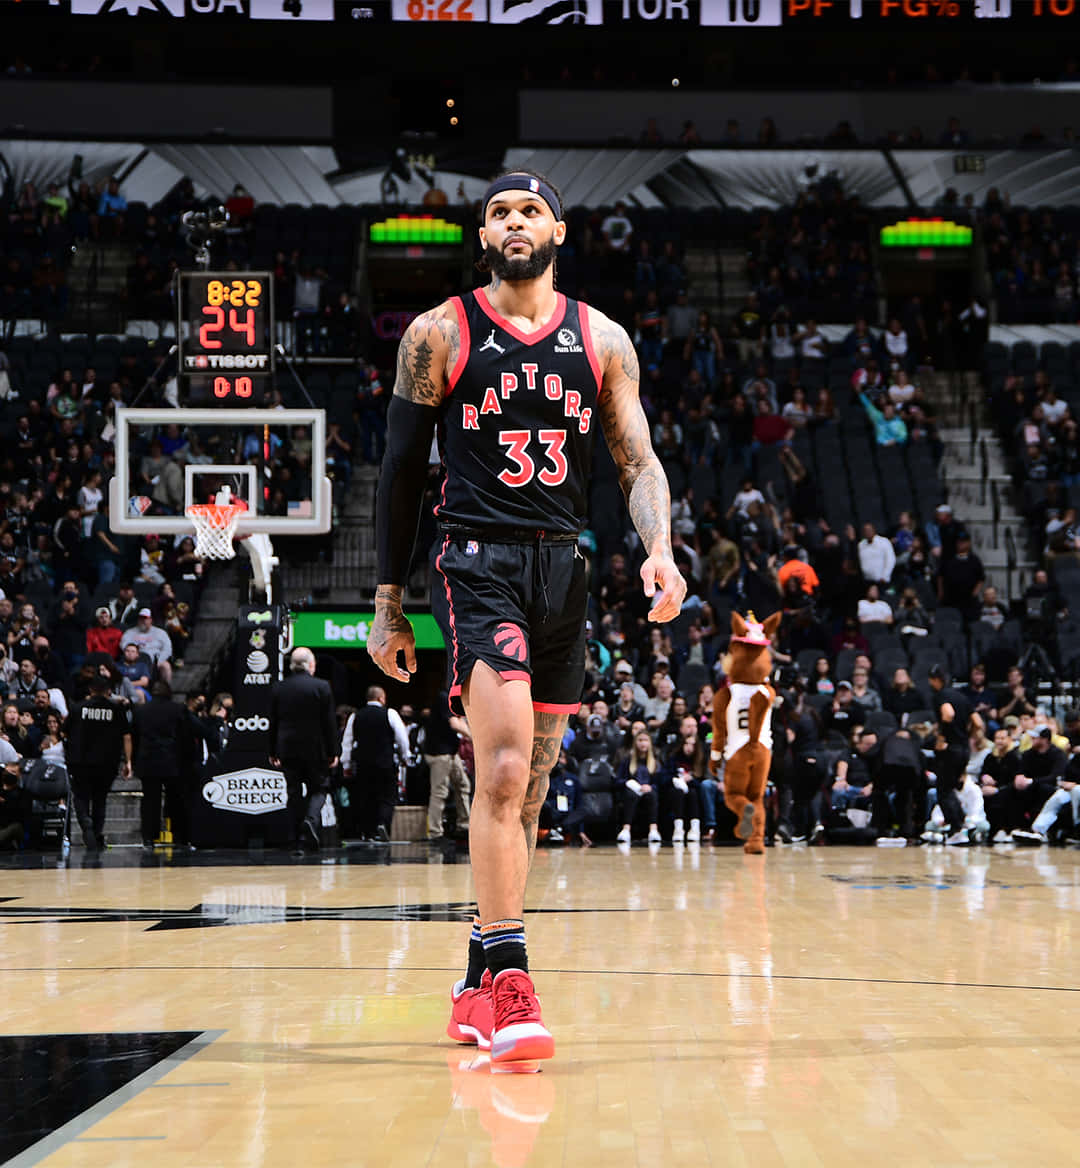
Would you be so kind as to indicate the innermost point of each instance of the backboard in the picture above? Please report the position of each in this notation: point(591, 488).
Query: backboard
point(272, 460)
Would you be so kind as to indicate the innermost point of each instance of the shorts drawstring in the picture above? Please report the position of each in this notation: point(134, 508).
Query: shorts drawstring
point(541, 574)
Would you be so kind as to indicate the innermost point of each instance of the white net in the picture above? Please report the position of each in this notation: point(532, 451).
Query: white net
point(215, 526)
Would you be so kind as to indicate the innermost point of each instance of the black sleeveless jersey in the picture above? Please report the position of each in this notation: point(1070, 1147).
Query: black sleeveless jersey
point(517, 425)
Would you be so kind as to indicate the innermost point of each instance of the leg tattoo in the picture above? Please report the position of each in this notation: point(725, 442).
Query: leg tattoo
point(548, 730)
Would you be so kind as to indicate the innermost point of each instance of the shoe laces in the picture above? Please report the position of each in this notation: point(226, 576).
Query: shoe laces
point(517, 1001)
point(483, 990)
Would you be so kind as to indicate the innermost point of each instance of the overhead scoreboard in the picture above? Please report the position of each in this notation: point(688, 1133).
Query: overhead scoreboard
point(225, 328)
point(732, 14)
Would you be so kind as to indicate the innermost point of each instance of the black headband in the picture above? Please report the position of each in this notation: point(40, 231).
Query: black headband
point(524, 182)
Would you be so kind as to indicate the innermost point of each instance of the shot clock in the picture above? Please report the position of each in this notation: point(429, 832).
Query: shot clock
point(225, 327)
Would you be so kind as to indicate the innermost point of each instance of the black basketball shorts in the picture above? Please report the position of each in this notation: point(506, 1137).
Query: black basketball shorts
point(518, 607)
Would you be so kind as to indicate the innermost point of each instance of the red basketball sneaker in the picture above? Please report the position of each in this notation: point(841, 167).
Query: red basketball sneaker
point(471, 1013)
point(519, 1032)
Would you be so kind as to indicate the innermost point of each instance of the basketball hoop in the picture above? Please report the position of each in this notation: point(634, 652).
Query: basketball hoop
point(215, 528)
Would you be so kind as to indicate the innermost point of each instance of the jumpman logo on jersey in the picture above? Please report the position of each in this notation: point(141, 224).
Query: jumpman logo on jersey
point(491, 344)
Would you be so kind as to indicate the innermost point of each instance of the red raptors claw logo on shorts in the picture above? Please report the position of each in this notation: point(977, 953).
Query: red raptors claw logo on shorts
point(511, 640)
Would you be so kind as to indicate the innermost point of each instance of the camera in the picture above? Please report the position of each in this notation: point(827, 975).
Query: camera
point(202, 226)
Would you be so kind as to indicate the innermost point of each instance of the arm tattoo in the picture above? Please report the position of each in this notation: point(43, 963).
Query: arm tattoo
point(428, 351)
point(626, 429)
point(548, 730)
point(388, 608)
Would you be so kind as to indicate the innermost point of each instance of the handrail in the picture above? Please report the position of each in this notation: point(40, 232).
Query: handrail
point(984, 471)
point(995, 510)
point(1011, 559)
point(974, 428)
point(91, 285)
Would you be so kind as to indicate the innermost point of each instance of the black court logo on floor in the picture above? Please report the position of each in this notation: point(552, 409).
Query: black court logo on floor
point(215, 916)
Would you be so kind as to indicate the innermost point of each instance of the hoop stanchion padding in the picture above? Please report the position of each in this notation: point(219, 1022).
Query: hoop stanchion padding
point(215, 527)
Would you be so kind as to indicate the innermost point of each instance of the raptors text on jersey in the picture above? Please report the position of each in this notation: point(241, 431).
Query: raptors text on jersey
point(518, 418)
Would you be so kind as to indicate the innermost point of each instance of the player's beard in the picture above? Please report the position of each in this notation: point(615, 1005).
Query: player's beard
point(513, 270)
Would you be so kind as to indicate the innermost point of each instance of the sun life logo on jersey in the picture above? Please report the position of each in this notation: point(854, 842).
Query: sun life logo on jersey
point(568, 342)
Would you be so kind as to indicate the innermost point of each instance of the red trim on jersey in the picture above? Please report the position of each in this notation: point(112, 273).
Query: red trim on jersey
point(525, 338)
point(463, 350)
point(555, 708)
point(586, 340)
point(515, 675)
point(442, 494)
point(455, 689)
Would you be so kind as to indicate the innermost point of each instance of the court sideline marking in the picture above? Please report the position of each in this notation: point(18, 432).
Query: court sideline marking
point(957, 985)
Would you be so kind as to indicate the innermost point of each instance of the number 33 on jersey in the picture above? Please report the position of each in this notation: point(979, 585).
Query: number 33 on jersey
point(517, 427)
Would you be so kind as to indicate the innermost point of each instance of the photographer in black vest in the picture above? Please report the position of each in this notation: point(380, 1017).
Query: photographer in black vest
point(99, 734)
point(304, 743)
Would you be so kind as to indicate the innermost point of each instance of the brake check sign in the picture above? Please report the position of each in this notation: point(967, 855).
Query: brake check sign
point(251, 791)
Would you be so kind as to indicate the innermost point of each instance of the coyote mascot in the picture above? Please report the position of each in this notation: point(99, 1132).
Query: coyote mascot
point(742, 726)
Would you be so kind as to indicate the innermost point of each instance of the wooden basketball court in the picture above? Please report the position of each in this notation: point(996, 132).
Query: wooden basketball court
point(814, 1007)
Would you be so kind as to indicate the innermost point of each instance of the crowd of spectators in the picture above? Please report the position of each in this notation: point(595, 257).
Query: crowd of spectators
point(308, 251)
point(1032, 258)
point(172, 745)
point(872, 738)
point(812, 260)
point(36, 249)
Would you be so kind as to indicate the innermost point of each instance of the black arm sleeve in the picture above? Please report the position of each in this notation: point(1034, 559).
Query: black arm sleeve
point(409, 428)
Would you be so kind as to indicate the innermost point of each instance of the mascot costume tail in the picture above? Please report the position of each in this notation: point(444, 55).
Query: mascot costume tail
point(742, 726)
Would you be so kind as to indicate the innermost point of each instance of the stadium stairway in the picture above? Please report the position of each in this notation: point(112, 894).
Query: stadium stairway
point(733, 282)
point(347, 577)
point(978, 483)
point(703, 280)
point(101, 270)
point(226, 589)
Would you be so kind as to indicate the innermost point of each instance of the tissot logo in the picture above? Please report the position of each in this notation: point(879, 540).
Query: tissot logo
point(226, 361)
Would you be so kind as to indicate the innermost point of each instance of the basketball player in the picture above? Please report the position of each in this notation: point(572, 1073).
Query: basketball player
point(517, 377)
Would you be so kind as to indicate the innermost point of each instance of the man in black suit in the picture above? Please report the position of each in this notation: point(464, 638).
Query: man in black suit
point(164, 750)
point(304, 743)
point(376, 738)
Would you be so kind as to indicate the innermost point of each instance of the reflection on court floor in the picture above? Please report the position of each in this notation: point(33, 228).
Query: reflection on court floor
point(825, 1006)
